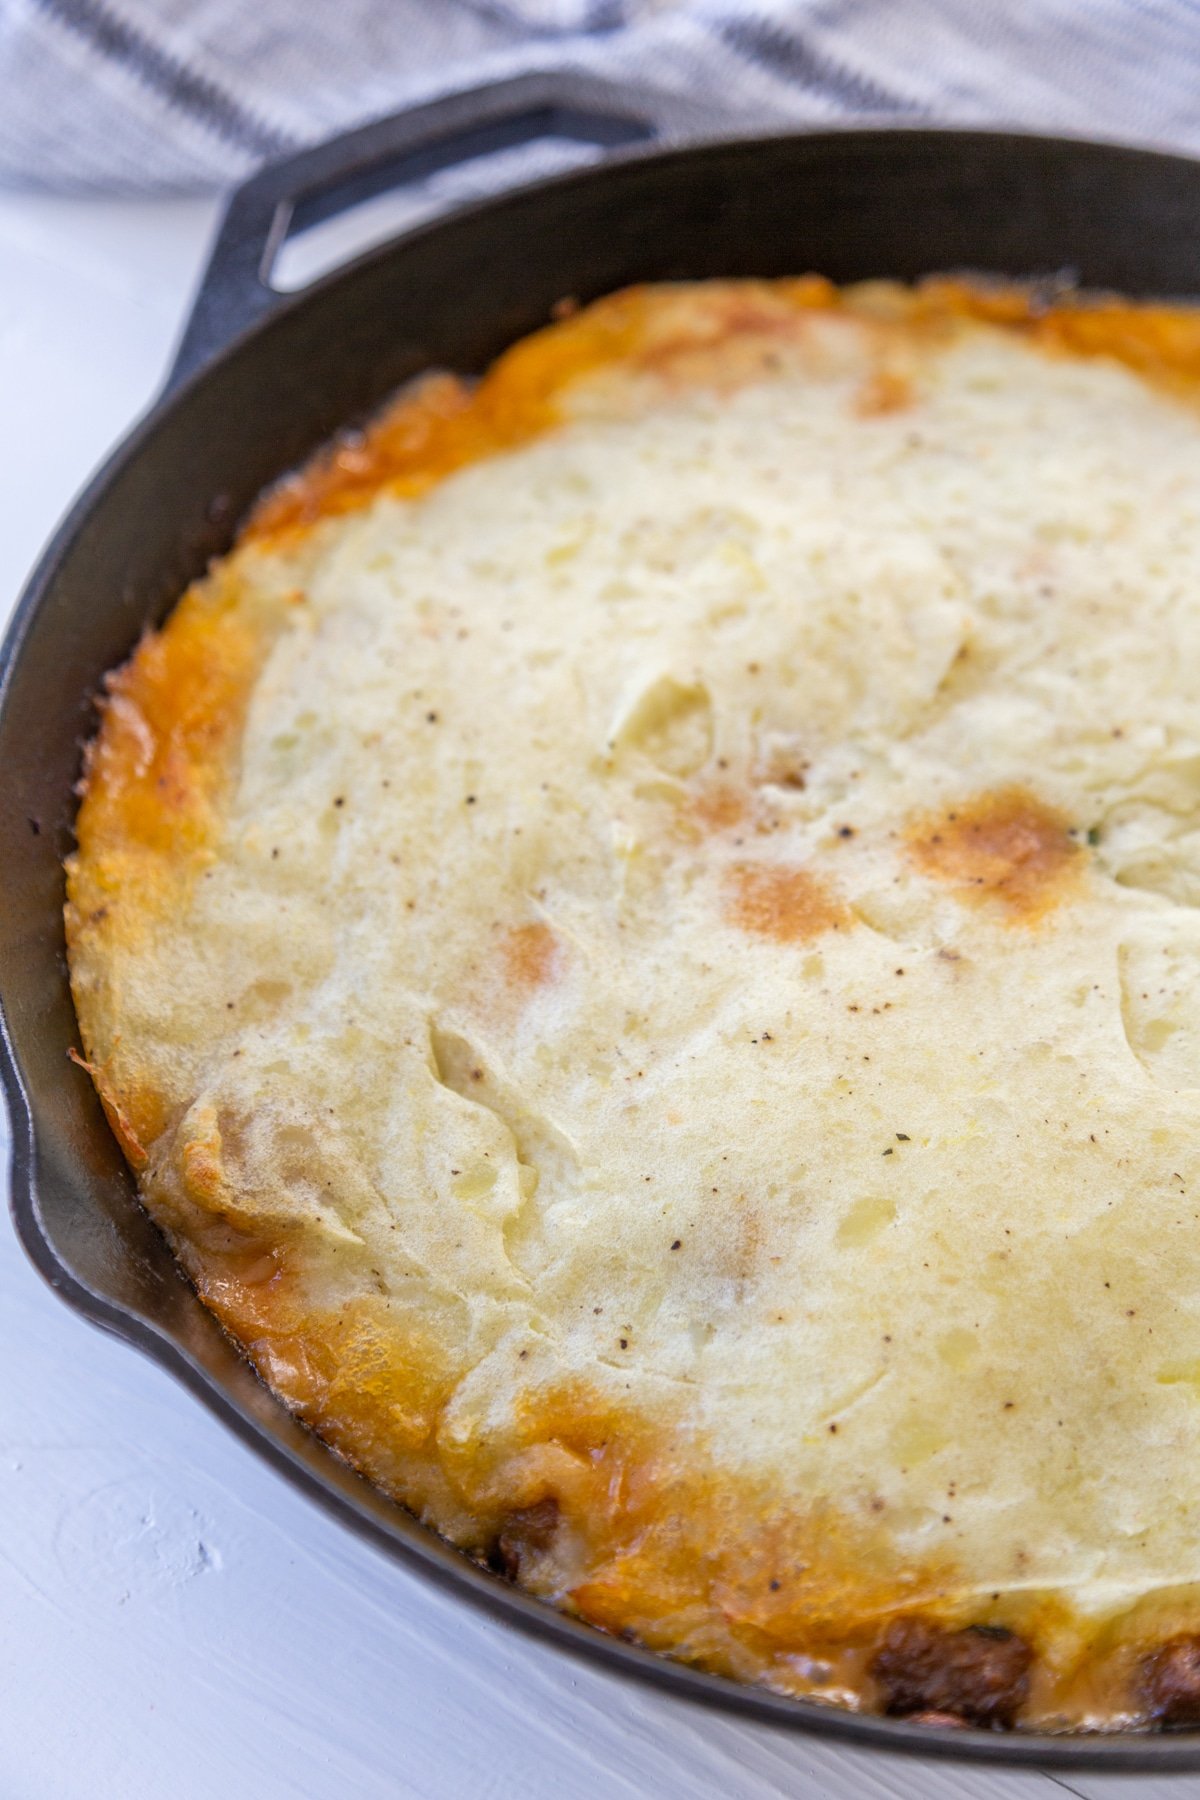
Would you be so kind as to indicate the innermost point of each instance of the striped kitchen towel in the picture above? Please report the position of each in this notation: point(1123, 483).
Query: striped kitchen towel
point(156, 95)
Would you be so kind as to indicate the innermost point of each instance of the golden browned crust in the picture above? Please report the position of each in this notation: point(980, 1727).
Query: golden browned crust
point(667, 1545)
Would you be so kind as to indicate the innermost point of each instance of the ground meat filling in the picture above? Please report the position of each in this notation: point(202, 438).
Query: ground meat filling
point(528, 1529)
point(979, 1676)
point(1170, 1686)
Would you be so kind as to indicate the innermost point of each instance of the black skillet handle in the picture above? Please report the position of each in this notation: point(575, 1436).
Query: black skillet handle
point(316, 184)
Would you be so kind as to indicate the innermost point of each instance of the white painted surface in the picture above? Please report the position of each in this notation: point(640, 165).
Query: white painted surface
point(174, 1620)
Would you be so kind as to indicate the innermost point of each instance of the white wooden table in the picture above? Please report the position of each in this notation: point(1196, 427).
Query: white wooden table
point(174, 1620)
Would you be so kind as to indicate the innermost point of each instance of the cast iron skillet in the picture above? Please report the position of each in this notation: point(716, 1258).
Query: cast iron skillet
point(259, 381)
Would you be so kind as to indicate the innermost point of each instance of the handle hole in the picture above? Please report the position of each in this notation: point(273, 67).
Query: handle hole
point(330, 225)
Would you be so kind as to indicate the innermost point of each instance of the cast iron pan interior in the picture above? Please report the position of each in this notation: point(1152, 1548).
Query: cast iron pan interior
point(850, 204)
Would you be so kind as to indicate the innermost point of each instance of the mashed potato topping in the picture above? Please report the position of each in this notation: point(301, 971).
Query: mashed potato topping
point(642, 933)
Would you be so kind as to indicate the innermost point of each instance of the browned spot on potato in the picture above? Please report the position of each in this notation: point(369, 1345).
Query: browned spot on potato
point(786, 904)
point(752, 313)
point(530, 955)
point(885, 391)
point(1007, 846)
point(720, 806)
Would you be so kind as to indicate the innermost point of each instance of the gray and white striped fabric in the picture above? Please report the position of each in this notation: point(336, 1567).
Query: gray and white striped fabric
point(158, 95)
